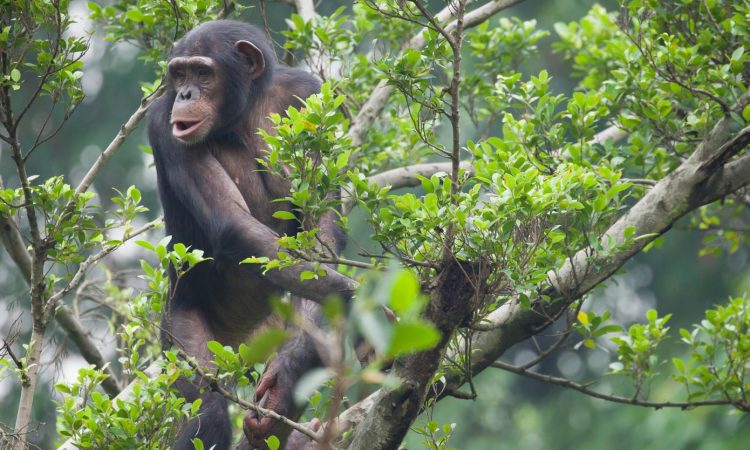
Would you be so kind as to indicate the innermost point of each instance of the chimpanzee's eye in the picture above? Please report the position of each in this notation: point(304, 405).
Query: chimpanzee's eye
point(204, 74)
point(178, 75)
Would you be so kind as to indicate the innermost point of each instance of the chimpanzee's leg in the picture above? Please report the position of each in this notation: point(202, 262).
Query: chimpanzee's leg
point(190, 332)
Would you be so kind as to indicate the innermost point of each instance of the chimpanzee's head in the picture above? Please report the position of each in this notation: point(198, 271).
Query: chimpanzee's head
point(216, 73)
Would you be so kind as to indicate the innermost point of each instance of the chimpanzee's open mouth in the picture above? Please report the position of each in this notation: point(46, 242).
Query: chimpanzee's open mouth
point(183, 128)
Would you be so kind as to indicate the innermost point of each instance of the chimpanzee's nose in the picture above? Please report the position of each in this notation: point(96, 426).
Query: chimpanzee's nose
point(187, 93)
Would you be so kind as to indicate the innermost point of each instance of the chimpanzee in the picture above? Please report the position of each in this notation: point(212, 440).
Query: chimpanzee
point(223, 82)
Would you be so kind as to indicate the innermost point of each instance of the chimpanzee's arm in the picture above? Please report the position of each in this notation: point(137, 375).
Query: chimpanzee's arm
point(206, 190)
point(295, 358)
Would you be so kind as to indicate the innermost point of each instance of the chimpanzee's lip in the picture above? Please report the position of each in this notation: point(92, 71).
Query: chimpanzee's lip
point(184, 128)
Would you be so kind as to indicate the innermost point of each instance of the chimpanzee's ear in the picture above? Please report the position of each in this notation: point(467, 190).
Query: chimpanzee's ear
point(254, 57)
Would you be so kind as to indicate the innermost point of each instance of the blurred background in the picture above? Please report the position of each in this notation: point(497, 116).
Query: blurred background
point(510, 412)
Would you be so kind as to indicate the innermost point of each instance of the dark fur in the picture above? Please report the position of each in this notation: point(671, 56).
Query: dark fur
point(215, 198)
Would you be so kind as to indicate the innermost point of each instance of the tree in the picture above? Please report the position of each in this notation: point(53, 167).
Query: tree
point(524, 200)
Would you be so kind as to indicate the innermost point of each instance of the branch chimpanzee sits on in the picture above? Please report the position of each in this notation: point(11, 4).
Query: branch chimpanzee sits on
point(223, 82)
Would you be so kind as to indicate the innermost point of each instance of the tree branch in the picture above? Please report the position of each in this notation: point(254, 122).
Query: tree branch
point(14, 245)
point(117, 142)
point(407, 176)
point(583, 388)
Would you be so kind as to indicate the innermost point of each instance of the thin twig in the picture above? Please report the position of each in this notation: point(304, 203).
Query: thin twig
point(117, 142)
point(92, 259)
point(583, 388)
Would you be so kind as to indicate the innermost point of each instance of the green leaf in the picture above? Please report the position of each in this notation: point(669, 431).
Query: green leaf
point(737, 54)
point(215, 347)
point(746, 113)
point(273, 443)
point(616, 189)
point(556, 236)
point(135, 15)
point(262, 346)
point(412, 337)
point(600, 203)
point(607, 329)
point(15, 75)
point(145, 244)
point(135, 194)
point(561, 29)
point(404, 291)
point(180, 249)
point(307, 275)
point(426, 184)
point(284, 215)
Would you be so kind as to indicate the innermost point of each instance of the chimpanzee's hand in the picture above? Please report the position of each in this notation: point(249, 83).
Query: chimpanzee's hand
point(276, 385)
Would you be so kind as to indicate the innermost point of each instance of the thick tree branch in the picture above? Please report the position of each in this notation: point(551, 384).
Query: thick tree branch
point(407, 176)
point(13, 243)
point(36, 285)
point(88, 349)
point(306, 9)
